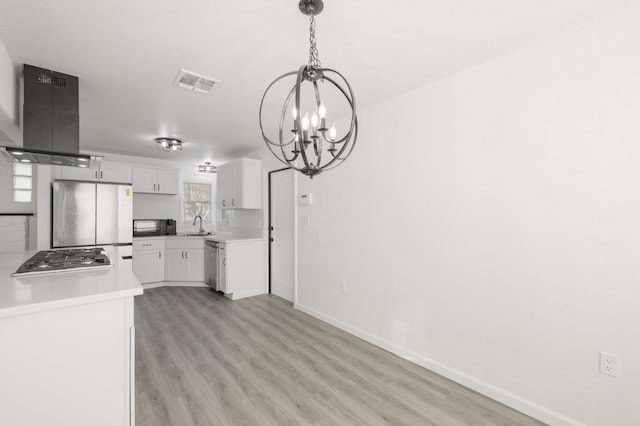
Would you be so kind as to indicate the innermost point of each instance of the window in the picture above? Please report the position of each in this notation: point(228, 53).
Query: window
point(197, 201)
point(22, 182)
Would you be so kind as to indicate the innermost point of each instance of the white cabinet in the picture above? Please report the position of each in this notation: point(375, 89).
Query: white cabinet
point(104, 172)
point(222, 268)
point(239, 184)
point(241, 268)
point(148, 260)
point(70, 365)
point(184, 259)
point(155, 181)
point(114, 172)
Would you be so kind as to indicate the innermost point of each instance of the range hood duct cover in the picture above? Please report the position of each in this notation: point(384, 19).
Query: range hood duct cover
point(51, 119)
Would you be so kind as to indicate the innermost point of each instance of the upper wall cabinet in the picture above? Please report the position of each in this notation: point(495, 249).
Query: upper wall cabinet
point(105, 172)
point(239, 185)
point(155, 181)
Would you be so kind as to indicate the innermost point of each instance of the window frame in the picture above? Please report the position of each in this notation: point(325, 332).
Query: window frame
point(15, 174)
point(186, 221)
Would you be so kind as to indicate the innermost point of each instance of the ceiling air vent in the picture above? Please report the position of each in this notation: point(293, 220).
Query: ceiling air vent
point(191, 81)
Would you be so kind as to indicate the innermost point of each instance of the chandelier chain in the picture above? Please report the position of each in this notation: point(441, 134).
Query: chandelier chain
point(314, 59)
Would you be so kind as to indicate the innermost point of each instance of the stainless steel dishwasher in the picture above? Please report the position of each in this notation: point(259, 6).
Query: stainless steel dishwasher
point(211, 264)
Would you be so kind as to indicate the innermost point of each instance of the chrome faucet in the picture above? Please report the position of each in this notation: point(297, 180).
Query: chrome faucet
point(200, 231)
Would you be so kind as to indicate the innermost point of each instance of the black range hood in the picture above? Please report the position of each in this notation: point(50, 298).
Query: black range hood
point(51, 130)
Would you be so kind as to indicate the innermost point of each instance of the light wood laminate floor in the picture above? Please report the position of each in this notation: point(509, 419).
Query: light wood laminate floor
point(202, 359)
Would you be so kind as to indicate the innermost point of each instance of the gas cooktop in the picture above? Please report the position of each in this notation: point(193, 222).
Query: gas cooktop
point(50, 261)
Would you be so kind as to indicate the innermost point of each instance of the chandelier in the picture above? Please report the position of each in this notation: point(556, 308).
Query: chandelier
point(305, 143)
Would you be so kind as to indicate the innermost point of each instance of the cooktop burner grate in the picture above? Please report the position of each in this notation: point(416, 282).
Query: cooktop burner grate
point(64, 260)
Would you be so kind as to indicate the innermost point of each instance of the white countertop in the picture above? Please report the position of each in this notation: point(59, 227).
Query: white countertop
point(31, 293)
point(221, 238)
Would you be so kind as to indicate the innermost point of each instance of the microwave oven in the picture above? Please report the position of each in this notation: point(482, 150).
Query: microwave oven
point(153, 227)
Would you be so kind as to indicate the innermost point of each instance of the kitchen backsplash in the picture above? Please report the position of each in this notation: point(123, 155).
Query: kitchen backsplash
point(13, 233)
point(244, 222)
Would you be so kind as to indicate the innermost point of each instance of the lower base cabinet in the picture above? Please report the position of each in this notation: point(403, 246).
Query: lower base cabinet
point(148, 260)
point(69, 366)
point(184, 259)
point(241, 268)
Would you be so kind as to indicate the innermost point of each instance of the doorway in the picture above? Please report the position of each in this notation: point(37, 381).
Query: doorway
point(282, 233)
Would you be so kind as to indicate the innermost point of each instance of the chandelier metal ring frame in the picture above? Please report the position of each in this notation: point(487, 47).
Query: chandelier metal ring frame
point(323, 140)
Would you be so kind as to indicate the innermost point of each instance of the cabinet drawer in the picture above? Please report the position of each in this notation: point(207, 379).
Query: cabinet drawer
point(185, 243)
point(154, 244)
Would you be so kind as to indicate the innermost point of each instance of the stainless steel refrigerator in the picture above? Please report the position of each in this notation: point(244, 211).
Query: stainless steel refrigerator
point(86, 214)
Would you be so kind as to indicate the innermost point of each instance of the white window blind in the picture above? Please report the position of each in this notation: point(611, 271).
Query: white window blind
point(22, 182)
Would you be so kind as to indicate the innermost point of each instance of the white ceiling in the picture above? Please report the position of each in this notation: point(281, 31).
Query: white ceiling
point(127, 54)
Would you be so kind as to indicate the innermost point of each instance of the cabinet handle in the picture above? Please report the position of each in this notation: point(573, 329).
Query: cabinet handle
point(100, 174)
point(224, 203)
point(146, 245)
point(158, 187)
point(182, 255)
point(159, 255)
point(186, 254)
point(96, 174)
point(224, 261)
point(233, 202)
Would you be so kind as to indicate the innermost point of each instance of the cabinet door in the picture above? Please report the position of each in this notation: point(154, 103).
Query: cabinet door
point(79, 173)
point(175, 265)
point(145, 265)
point(167, 181)
point(222, 272)
point(224, 186)
point(249, 184)
point(144, 180)
point(195, 264)
point(236, 189)
point(117, 173)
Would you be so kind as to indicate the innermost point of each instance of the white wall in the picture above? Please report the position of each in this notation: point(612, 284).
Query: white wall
point(9, 128)
point(487, 226)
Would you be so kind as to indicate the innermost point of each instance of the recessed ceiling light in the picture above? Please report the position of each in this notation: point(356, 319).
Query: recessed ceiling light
point(17, 153)
point(25, 161)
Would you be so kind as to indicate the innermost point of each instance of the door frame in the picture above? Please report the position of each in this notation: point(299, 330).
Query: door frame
point(270, 229)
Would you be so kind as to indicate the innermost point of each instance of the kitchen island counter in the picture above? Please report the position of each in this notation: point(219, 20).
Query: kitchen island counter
point(68, 356)
point(32, 293)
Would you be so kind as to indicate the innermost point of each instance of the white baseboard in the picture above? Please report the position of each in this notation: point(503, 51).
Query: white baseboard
point(525, 406)
point(236, 295)
point(152, 285)
point(184, 284)
point(173, 284)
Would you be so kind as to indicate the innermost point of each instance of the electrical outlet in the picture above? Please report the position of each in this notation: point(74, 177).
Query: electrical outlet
point(343, 287)
point(609, 364)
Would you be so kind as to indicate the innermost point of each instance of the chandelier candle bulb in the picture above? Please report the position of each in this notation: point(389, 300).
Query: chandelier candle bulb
point(333, 132)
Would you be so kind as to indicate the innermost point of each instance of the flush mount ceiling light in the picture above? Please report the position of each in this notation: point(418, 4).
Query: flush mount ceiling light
point(312, 147)
point(169, 144)
point(206, 168)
